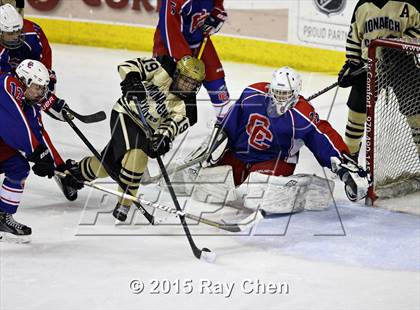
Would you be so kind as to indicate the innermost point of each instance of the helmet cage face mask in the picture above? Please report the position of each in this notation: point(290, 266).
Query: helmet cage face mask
point(284, 90)
point(188, 77)
point(183, 85)
point(282, 99)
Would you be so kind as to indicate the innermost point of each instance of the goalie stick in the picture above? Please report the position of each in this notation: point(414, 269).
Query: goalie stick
point(88, 119)
point(335, 84)
point(146, 214)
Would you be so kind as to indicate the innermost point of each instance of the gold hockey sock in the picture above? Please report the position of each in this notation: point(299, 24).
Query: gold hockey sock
point(92, 169)
point(133, 165)
point(354, 130)
point(414, 123)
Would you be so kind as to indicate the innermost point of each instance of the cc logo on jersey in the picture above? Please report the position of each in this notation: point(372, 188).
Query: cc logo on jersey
point(259, 132)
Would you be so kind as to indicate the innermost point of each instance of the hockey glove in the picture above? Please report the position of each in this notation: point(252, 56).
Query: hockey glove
point(74, 176)
point(132, 87)
point(214, 21)
point(161, 145)
point(355, 178)
point(54, 106)
point(346, 77)
point(53, 81)
point(44, 163)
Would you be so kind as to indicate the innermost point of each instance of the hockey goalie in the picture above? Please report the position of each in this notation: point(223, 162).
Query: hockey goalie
point(257, 145)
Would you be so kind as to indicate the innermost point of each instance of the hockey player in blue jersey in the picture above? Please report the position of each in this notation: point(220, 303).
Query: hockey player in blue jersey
point(23, 39)
point(11, 25)
point(181, 29)
point(23, 139)
point(265, 130)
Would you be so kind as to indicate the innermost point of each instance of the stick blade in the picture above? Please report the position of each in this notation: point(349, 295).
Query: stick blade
point(207, 255)
point(88, 119)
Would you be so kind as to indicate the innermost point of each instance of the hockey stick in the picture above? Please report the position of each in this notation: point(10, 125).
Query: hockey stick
point(181, 167)
point(197, 156)
point(204, 253)
point(202, 46)
point(335, 84)
point(90, 118)
point(234, 228)
point(110, 172)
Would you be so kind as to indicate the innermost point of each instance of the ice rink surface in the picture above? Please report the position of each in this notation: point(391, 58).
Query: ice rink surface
point(346, 257)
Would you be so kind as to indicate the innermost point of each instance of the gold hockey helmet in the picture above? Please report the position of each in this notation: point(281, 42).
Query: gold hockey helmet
point(190, 73)
point(192, 68)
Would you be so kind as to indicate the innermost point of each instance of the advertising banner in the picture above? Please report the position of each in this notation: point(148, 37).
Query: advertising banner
point(324, 23)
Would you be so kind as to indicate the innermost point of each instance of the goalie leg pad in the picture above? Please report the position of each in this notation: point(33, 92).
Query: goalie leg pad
point(215, 185)
point(183, 180)
point(319, 193)
point(276, 194)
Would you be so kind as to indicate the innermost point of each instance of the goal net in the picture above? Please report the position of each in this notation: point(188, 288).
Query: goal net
point(393, 119)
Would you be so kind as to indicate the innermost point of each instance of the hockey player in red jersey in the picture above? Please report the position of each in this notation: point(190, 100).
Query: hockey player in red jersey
point(23, 139)
point(262, 136)
point(28, 42)
point(182, 26)
point(23, 39)
point(10, 34)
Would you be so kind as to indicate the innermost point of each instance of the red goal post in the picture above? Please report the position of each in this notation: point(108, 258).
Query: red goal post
point(393, 102)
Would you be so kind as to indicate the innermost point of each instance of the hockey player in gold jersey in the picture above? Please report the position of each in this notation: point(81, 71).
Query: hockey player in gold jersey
point(372, 20)
point(165, 92)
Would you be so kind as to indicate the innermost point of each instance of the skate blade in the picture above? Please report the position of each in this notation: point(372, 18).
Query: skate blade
point(11, 238)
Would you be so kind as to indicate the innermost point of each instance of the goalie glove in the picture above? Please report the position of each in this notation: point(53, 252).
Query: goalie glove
point(356, 179)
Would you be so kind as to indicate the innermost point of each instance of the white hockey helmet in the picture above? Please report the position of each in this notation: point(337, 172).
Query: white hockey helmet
point(34, 72)
point(19, 5)
point(11, 27)
point(284, 89)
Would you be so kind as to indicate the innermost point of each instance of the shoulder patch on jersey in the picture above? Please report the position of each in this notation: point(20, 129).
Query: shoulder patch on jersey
point(304, 107)
point(260, 87)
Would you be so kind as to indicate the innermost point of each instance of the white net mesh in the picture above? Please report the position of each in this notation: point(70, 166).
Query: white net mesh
point(397, 120)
